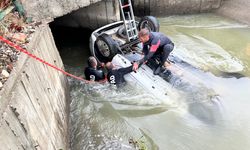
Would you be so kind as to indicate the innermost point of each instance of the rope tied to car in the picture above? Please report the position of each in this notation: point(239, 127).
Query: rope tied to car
point(19, 48)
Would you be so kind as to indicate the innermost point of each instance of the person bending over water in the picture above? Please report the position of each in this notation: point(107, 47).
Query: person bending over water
point(155, 43)
point(116, 76)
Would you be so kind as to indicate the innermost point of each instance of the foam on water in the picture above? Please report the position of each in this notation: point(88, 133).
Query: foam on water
point(95, 122)
point(206, 54)
point(128, 95)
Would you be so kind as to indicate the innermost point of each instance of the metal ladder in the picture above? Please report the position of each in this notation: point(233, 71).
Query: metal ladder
point(128, 19)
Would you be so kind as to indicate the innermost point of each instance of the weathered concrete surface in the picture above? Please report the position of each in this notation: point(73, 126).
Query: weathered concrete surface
point(173, 7)
point(49, 9)
point(33, 105)
point(93, 16)
point(238, 10)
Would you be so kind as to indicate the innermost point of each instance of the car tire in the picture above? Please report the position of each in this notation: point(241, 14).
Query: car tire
point(149, 22)
point(122, 32)
point(105, 48)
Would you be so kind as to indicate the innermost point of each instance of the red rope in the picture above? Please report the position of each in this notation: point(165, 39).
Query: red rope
point(44, 62)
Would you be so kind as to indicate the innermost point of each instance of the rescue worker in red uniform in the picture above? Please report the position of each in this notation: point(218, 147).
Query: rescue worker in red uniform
point(155, 42)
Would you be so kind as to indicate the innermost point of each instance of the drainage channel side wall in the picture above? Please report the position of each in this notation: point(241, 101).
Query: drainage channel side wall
point(93, 16)
point(173, 7)
point(33, 102)
point(237, 10)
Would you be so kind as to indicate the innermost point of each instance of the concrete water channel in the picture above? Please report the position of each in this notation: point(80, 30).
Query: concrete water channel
point(55, 112)
point(207, 118)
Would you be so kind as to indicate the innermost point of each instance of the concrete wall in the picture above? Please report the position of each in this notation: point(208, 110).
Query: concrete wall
point(50, 9)
point(76, 13)
point(238, 10)
point(173, 7)
point(33, 105)
point(102, 12)
point(93, 16)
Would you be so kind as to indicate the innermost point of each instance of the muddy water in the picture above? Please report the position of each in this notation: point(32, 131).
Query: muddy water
point(213, 54)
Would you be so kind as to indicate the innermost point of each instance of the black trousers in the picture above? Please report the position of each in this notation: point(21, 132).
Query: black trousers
point(165, 51)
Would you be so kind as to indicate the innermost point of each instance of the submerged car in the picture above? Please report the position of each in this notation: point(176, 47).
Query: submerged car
point(111, 43)
point(112, 39)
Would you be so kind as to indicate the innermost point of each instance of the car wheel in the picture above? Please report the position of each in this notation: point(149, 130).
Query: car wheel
point(105, 48)
point(150, 23)
point(122, 32)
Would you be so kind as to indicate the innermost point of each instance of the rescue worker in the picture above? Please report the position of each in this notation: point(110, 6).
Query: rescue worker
point(116, 76)
point(94, 72)
point(155, 42)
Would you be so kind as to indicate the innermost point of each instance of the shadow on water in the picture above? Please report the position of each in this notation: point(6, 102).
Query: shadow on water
point(73, 45)
point(236, 75)
point(143, 112)
point(209, 112)
point(202, 101)
point(65, 36)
